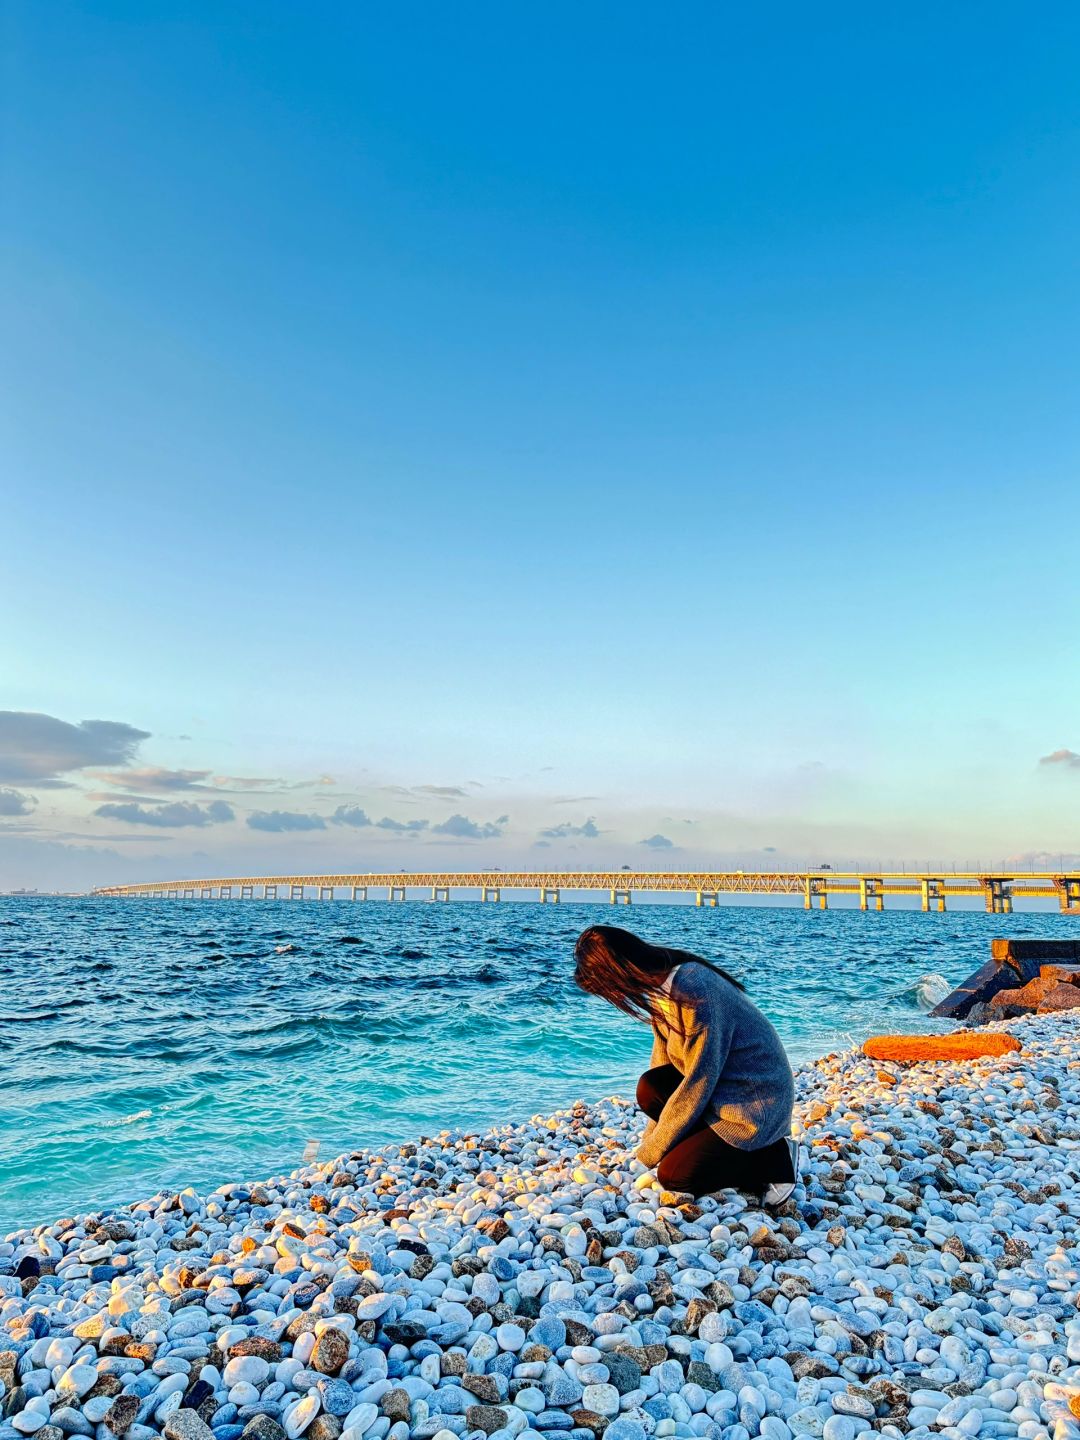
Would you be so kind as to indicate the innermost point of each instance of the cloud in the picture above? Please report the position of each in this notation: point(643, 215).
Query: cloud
point(658, 842)
point(574, 799)
point(437, 792)
point(154, 777)
point(769, 849)
point(279, 820)
point(40, 748)
point(354, 815)
point(167, 817)
point(309, 784)
point(462, 828)
point(350, 815)
point(565, 830)
point(1069, 758)
point(247, 782)
point(14, 802)
point(108, 796)
point(1055, 860)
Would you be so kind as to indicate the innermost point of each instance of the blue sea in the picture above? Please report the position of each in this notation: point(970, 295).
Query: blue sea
point(146, 1044)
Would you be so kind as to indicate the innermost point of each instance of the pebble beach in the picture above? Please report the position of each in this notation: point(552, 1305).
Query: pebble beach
point(923, 1280)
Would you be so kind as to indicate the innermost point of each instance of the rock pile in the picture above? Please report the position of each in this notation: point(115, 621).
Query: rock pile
point(1056, 987)
point(922, 1282)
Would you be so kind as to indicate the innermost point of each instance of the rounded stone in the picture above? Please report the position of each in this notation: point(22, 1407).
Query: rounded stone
point(603, 1399)
point(245, 1369)
point(331, 1351)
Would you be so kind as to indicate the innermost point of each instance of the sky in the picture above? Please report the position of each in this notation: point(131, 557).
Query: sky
point(558, 436)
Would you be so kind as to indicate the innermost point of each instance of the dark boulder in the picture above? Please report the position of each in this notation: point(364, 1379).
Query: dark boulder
point(1013, 965)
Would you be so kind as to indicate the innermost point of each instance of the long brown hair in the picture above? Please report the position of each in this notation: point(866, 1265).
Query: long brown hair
point(629, 972)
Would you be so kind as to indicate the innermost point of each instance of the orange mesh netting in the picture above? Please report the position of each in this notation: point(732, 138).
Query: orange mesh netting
point(938, 1047)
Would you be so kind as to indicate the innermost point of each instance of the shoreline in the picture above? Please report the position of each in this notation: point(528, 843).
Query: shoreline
point(882, 1298)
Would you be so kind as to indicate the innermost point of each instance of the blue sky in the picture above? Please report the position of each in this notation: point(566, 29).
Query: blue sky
point(663, 423)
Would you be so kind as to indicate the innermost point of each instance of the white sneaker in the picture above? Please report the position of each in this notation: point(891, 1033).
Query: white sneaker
point(777, 1194)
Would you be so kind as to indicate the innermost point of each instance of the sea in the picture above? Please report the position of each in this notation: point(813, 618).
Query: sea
point(147, 1045)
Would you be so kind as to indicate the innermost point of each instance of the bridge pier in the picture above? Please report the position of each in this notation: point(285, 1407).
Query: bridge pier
point(1069, 892)
point(269, 892)
point(247, 892)
point(206, 893)
point(620, 897)
point(814, 888)
point(489, 892)
point(871, 889)
point(224, 892)
point(548, 893)
point(296, 892)
point(395, 892)
point(998, 896)
point(440, 892)
point(188, 895)
point(172, 895)
point(359, 892)
point(707, 897)
point(933, 892)
point(326, 892)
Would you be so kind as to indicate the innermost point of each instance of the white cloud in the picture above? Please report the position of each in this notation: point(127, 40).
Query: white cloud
point(351, 815)
point(460, 827)
point(278, 821)
point(41, 748)
point(15, 802)
point(401, 827)
point(177, 814)
point(587, 829)
point(1067, 758)
point(154, 777)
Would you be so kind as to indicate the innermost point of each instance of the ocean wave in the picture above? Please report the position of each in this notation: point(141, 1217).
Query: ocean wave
point(929, 990)
point(126, 1119)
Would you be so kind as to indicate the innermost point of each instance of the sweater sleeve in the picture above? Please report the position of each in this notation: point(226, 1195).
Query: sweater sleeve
point(705, 1049)
point(659, 1054)
point(658, 1057)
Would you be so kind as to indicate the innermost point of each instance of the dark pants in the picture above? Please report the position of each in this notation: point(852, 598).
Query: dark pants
point(702, 1162)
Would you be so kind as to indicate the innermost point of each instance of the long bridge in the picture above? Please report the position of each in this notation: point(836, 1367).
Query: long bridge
point(997, 889)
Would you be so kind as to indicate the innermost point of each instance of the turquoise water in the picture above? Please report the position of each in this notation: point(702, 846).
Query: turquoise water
point(147, 1044)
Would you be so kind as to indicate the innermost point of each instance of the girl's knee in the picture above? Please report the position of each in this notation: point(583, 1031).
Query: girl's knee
point(649, 1098)
point(673, 1176)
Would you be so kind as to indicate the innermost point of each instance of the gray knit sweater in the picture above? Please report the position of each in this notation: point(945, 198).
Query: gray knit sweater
point(736, 1077)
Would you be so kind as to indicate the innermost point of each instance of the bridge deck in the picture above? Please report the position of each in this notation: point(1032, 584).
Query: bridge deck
point(998, 887)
